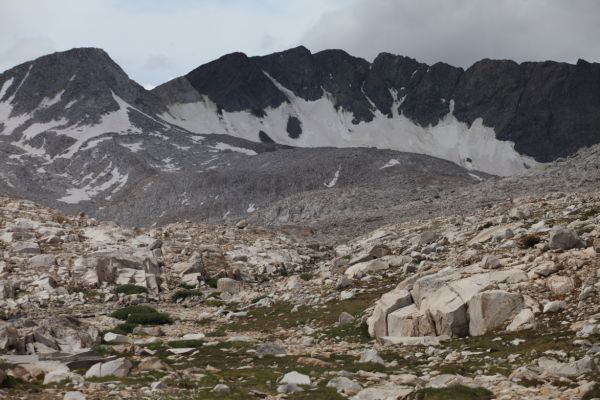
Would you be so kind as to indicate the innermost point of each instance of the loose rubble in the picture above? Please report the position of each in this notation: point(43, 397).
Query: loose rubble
point(503, 303)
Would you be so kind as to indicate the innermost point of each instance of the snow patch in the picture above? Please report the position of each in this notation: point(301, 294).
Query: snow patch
point(224, 147)
point(50, 101)
point(133, 147)
point(324, 126)
point(182, 148)
point(480, 179)
point(5, 86)
point(334, 180)
point(115, 180)
point(390, 163)
point(169, 165)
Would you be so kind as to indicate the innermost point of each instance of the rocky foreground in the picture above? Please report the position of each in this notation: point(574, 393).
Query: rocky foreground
point(502, 303)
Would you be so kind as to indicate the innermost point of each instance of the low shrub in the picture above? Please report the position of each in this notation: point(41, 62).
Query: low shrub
point(152, 318)
point(306, 276)
point(124, 313)
point(180, 344)
point(130, 289)
point(458, 392)
point(124, 328)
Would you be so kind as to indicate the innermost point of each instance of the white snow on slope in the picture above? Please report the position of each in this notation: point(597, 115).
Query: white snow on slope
point(50, 101)
point(93, 188)
point(114, 122)
point(334, 180)
point(390, 163)
point(8, 123)
point(5, 86)
point(224, 146)
point(134, 147)
point(324, 126)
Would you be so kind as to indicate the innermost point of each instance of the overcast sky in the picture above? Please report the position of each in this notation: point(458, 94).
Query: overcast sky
point(155, 40)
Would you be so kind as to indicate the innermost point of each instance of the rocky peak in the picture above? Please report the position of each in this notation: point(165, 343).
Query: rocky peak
point(236, 83)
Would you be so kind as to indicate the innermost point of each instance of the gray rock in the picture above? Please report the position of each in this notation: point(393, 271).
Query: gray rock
point(270, 349)
point(295, 378)
point(428, 237)
point(491, 309)
point(344, 386)
point(119, 368)
point(554, 306)
point(115, 338)
point(361, 269)
point(409, 321)
point(221, 389)
point(157, 386)
point(388, 303)
point(345, 319)
point(491, 262)
point(582, 366)
point(525, 319)
point(371, 356)
point(228, 285)
point(74, 396)
point(565, 239)
point(26, 248)
point(560, 285)
point(289, 388)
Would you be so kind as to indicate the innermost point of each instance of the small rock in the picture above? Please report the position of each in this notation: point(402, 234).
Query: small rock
point(345, 319)
point(554, 306)
point(344, 385)
point(119, 368)
point(295, 378)
point(565, 239)
point(371, 356)
point(229, 285)
point(491, 262)
point(74, 396)
point(221, 389)
point(560, 285)
point(115, 338)
point(269, 349)
point(158, 385)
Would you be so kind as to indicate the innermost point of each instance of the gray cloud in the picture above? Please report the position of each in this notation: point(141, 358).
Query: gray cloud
point(155, 39)
point(461, 32)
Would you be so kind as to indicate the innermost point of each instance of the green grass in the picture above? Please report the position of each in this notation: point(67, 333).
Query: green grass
point(452, 393)
point(130, 289)
point(124, 313)
point(349, 333)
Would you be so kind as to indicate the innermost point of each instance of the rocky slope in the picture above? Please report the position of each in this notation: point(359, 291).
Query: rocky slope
point(502, 302)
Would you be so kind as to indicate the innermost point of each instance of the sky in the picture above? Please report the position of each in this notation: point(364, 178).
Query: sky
point(157, 40)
